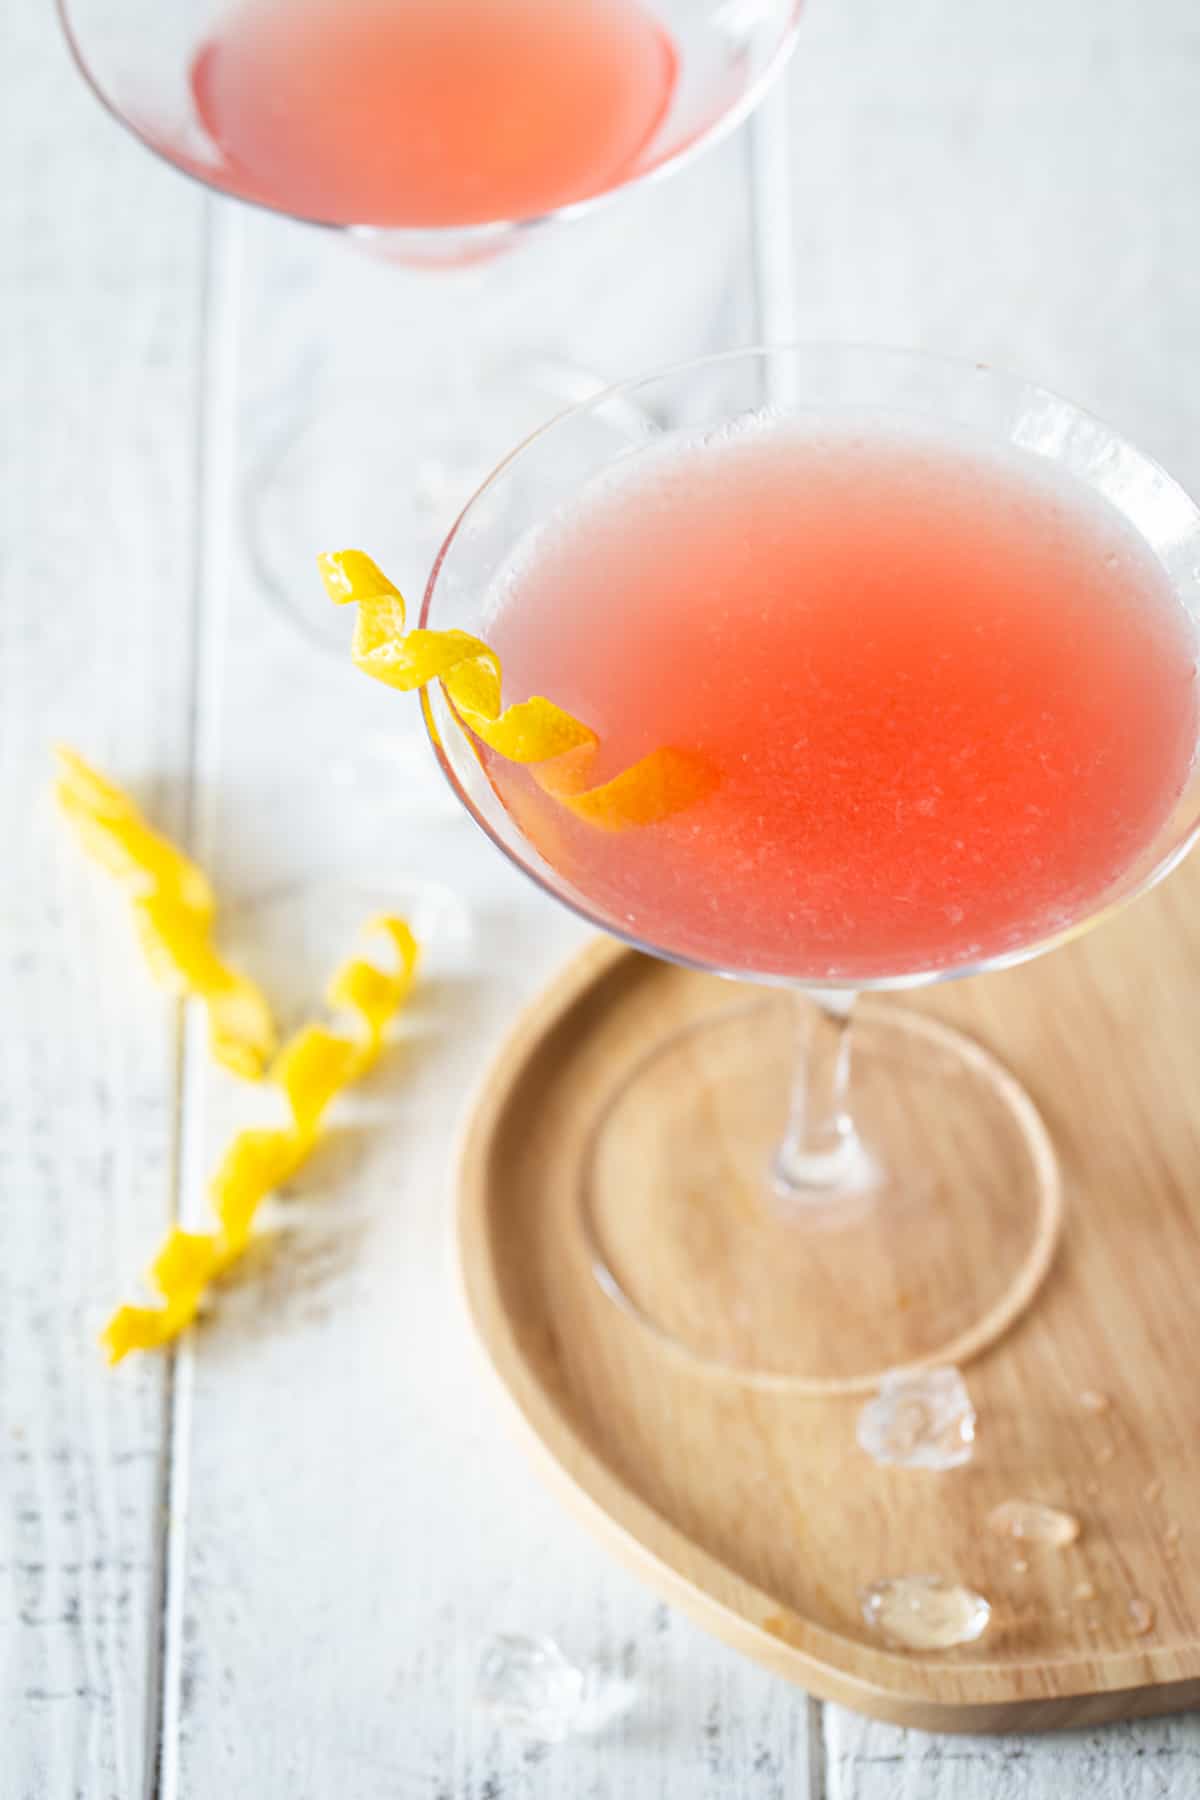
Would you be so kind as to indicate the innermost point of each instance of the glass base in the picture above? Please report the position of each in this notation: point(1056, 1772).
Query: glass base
point(927, 1246)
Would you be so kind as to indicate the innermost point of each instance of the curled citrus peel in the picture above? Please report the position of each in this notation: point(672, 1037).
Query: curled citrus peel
point(173, 909)
point(312, 1068)
point(535, 731)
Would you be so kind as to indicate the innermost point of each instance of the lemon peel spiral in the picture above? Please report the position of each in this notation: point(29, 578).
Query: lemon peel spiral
point(173, 909)
point(312, 1069)
point(534, 731)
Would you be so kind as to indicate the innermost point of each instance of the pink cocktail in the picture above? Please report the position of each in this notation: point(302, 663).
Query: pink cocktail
point(945, 692)
point(431, 113)
point(439, 136)
point(928, 635)
point(438, 129)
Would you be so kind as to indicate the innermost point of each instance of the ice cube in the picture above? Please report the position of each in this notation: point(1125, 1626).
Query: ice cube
point(527, 1685)
point(923, 1612)
point(920, 1419)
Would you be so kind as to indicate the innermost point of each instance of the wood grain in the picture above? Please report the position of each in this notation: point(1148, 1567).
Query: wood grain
point(98, 387)
point(754, 1508)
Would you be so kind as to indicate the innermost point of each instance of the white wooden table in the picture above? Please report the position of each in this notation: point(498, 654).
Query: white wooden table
point(263, 1568)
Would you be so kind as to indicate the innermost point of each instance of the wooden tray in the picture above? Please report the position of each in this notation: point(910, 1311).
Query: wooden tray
point(755, 1511)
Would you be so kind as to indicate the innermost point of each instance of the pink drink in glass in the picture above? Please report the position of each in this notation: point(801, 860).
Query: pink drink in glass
point(431, 113)
point(946, 692)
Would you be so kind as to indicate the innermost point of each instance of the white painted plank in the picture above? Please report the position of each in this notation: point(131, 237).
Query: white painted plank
point(357, 1519)
point(1016, 185)
point(1148, 1760)
point(99, 321)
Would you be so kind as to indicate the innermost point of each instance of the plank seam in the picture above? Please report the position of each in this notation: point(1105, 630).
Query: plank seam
point(215, 454)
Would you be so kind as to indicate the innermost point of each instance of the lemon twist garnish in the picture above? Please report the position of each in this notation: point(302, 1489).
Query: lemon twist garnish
point(533, 731)
point(173, 909)
point(312, 1068)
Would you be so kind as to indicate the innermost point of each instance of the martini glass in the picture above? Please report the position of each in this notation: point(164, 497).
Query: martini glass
point(799, 1190)
point(397, 137)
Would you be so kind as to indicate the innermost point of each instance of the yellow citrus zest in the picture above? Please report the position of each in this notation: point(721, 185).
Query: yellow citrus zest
point(312, 1068)
point(533, 731)
point(173, 908)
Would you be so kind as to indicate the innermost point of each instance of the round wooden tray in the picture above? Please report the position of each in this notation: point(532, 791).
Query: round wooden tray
point(755, 1510)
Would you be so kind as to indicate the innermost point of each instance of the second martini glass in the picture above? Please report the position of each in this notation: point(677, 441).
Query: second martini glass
point(440, 135)
point(798, 1190)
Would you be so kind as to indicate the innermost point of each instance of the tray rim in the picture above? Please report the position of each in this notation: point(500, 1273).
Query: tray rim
point(883, 1684)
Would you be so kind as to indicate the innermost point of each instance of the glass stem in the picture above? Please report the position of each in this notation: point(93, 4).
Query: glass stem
point(821, 1151)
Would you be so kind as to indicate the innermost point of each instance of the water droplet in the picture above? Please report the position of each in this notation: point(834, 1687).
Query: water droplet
point(527, 1685)
point(921, 1419)
point(1085, 1590)
point(1153, 1490)
point(1034, 1523)
point(1141, 1616)
point(923, 1612)
point(1020, 1566)
point(1093, 1401)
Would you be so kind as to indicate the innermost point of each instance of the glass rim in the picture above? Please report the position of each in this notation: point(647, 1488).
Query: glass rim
point(476, 237)
point(1106, 909)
